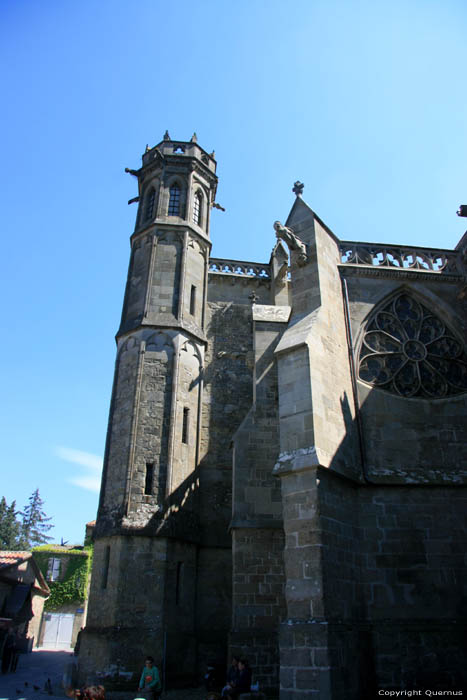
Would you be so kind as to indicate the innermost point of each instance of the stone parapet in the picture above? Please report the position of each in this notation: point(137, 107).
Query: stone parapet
point(401, 257)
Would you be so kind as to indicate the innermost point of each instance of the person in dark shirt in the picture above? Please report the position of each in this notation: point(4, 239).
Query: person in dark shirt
point(232, 675)
point(243, 682)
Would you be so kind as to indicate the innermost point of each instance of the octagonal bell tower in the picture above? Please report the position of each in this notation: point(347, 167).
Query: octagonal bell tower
point(146, 538)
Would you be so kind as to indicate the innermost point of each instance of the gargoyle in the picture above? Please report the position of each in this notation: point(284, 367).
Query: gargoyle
point(293, 242)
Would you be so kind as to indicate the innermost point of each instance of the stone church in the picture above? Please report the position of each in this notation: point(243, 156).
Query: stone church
point(286, 462)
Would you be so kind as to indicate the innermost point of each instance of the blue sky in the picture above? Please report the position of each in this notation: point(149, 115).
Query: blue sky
point(364, 102)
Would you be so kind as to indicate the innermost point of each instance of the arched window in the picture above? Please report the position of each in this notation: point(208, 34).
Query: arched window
point(150, 199)
point(174, 201)
point(197, 204)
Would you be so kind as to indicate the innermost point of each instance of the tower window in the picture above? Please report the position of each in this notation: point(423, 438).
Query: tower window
point(186, 414)
point(151, 198)
point(193, 300)
point(105, 568)
point(149, 479)
point(197, 208)
point(174, 201)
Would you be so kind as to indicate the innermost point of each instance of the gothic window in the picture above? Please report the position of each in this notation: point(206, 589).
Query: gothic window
point(409, 351)
point(150, 199)
point(174, 201)
point(197, 203)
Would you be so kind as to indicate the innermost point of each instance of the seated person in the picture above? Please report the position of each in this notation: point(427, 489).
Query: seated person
point(150, 683)
point(243, 681)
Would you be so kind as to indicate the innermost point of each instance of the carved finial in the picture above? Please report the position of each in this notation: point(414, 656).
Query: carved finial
point(167, 136)
point(253, 297)
point(298, 188)
point(147, 148)
point(194, 138)
point(213, 154)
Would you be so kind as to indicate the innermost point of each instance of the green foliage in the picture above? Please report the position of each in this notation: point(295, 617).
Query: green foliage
point(35, 523)
point(73, 587)
point(28, 531)
point(10, 527)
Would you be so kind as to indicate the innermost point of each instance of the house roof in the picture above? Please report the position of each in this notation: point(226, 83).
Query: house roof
point(9, 558)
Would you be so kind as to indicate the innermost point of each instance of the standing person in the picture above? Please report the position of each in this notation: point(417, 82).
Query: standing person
point(78, 642)
point(8, 651)
point(150, 682)
point(232, 675)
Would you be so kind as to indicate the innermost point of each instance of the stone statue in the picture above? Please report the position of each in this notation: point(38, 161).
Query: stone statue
point(292, 241)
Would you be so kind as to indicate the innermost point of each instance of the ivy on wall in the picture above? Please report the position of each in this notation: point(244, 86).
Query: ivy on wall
point(73, 584)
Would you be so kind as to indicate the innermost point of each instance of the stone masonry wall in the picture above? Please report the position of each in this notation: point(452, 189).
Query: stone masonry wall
point(414, 573)
point(376, 587)
point(258, 601)
point(126, 605)
point(153, 413)
point(226, 398)
point(118, 440)
point(257, 535)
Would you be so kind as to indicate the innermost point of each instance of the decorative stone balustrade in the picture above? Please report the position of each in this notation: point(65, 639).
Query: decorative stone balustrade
point(401, 257)
point(220, 266)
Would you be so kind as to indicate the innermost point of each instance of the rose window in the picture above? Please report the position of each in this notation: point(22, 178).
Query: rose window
point(409, 351)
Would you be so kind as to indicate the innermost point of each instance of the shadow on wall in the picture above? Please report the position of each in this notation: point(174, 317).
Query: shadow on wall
point(393, 565)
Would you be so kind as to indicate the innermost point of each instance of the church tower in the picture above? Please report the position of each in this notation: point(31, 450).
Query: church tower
point(145, 560)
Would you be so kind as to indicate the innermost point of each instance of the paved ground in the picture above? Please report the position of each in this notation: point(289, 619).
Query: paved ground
point(28, 683)
point(34, 669)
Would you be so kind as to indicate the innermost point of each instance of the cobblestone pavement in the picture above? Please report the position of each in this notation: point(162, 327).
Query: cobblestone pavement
point(33, 671)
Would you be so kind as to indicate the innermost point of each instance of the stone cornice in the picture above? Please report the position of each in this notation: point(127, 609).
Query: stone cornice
point(163, 225)
point(196, 335)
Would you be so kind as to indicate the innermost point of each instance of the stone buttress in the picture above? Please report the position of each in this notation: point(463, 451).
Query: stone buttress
point(372, 387)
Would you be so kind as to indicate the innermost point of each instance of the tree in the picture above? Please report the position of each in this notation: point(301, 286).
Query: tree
point(10, 526)
point(35, 523)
